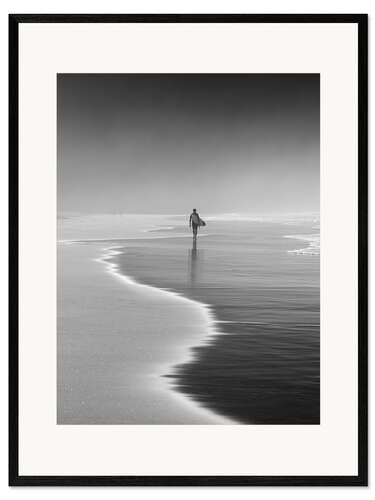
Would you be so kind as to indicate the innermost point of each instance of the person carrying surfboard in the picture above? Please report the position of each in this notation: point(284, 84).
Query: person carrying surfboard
point(195, 221)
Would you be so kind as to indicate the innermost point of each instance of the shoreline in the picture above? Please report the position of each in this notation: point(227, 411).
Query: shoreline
point(169, 370)
point(256, 343)
point(113, 268)
point(173, 348)
point(120, 356)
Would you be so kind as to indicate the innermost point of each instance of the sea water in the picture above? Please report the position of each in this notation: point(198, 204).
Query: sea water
point(260, 278)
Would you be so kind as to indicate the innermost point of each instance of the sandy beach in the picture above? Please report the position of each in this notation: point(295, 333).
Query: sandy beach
point(116, 339)
point(154, 328)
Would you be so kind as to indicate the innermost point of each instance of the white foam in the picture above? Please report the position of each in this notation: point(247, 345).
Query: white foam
point(158, 228)
point(130, 238)
point(314, 244)
point(188, 355)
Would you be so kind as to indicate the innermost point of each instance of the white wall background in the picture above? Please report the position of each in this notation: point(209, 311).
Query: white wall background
point(154, 6)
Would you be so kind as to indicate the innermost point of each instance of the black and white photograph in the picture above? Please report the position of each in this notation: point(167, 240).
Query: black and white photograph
point(188, 249)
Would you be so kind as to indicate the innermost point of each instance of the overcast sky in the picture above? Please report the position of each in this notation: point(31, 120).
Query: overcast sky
point(168, 143)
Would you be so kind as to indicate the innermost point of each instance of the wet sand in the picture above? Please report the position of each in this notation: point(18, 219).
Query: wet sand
point(116, 340)
point(265, 366)
point(155, 330)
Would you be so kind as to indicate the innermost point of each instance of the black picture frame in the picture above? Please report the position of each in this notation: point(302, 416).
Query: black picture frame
point(15, 479)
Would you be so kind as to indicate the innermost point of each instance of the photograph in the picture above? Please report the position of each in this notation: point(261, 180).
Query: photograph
point(188, 249)
point(188, 207)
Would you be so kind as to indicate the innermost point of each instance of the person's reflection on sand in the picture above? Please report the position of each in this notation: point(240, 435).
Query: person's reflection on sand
point(193, 260)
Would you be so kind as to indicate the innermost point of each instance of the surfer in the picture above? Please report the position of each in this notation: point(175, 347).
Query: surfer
point(195, 221)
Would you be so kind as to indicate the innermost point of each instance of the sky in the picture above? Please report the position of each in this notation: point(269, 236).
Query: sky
point(165, 143)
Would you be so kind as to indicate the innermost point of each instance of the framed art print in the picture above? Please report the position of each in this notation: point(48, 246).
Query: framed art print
point(188, 249)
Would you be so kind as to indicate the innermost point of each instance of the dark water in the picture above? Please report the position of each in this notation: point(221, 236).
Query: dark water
point(266, 369)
